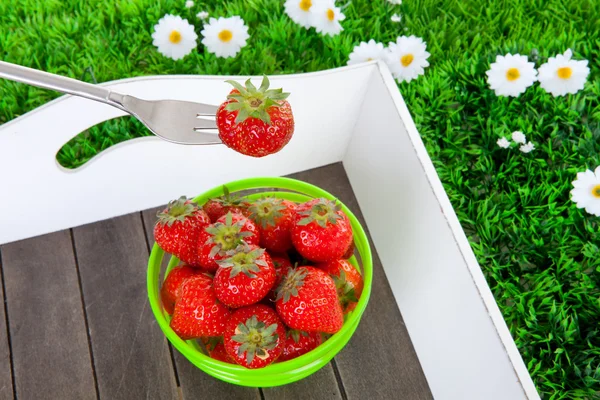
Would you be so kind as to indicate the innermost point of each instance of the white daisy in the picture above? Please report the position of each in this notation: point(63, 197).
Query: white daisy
point(586, 192)
point(225, 36)
point(395, 1)
point(299, 11)
point(526, 148)
point(366, 51)
point(396, 18)
point(189, 4)
point(511, 75)
point(202, 15)
point(174, 37)
point(561, 75)
point(407, 58)
point(326, 17)
point(503, 142)
point(519, 137)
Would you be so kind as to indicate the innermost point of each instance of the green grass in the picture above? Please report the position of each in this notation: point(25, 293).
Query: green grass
point(538, 251)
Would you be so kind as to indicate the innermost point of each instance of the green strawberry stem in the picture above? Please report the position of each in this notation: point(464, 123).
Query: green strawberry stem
point(244, 260)
point(256, 338)
point(251, 102)
point(212, 342)
point(266, 211)
point(228, 199)
point(177, 210)
point(290, 284)
point(295, 334)
point(227, 236)
point(345, 289)
point(322, 212)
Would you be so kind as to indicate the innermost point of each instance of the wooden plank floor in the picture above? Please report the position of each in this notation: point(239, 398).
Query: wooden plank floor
point(76, 324)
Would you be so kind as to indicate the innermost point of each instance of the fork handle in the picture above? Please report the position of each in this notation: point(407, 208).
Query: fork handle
point(59, 83)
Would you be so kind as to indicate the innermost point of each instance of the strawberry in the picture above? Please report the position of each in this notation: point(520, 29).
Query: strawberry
point(197, 311)
point(178, 228)
point(280, 261)
point(255, 122)
point(285, 255)
point(282, 266)
point(321, 231)
point(298, 343)
point(216, 349)
point(307, 300)
point(245, 277)
point(348, 281)
point(273, 217)
point(170, 290)
point(230, 231)
point(254, 336)
point(350, 252)
point(216, 208)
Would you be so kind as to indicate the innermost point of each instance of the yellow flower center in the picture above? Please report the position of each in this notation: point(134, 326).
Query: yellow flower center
point(225, 35)
point(305, 5)
point(175, 37)
point(564, 72)
point(512, 74)
point(369, 59)
point(596, 191)
point(330, 14)
point(407, 59)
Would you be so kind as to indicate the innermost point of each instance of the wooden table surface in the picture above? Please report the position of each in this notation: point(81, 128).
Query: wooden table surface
point(76, 324)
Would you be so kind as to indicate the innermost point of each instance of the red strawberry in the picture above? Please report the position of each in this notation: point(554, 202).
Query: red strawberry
point(321, 230)
point(350, 252)
point(229, 232)
point(216, 208)
point(307, 300)
point(197, 311)
point(255, 122)
point(216, 349)
point(170, 290)
point(298, 343)
point(280, 255)
point(254, 336)
point(273, 217)
point(282, 267)
point(245, 277)
point(178, 228)
point(280, 261)
point(348, 280)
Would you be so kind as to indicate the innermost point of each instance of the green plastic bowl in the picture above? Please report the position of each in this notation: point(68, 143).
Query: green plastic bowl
point(278, 373)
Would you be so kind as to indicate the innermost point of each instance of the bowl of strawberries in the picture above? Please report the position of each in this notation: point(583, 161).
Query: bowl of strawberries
point(266, 282)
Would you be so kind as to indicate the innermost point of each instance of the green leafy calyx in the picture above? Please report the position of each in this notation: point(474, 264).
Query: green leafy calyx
point(244, 260)
point(345, 289)
point(266, 211)
point(226, 236)
point(229, 199)
point(252, 102)
point(295, 334)
point(322, 212)
point(212, 342)
point(256, 339)
point(290, 283)
point(177, 210)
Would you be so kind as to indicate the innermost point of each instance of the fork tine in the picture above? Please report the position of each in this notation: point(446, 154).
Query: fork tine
point(202, 124)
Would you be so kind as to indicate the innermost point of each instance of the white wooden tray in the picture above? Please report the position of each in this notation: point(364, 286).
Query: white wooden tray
point(355, 115)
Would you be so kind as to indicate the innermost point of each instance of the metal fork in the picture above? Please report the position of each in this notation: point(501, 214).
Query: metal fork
point(182, 122)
